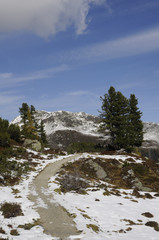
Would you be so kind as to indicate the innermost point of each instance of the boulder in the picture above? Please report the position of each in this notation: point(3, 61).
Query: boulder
point(101, 174)
point(140, 187)
point(33, 144)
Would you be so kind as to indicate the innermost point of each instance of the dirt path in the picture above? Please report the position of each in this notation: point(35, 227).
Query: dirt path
point(53, 217)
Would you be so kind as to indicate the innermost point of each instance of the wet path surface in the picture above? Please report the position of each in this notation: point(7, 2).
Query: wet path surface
point(53, 217)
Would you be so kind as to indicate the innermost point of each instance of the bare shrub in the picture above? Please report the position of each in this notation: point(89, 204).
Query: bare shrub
point(11, 210)
point(72, 181)
point(14, 232)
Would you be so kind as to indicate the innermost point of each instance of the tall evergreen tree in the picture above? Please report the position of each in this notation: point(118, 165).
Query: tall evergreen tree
point(23, 112)
point(30, 128)
point(135, 120)
point(4, 135)
point(108, 112)
point(122, 118)
point(4, 124)
point(14, 132)
point(42, 133)
point(122, 122)
point(27, 115)
point(32, 110)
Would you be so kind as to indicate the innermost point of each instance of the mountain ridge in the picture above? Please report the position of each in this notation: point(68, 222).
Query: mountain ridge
point(64, 127)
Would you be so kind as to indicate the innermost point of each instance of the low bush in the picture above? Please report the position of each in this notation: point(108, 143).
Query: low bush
point(2, 231)
point(11, 210)
point(4, 139)
point(84, 147)
point(11, 171)
point(14, 232)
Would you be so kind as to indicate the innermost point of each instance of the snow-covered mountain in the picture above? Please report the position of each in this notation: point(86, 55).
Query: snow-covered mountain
point(63, 128)
point(151, 132)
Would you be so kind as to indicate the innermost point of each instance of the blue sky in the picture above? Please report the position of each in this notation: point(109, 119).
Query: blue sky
point(65, 54)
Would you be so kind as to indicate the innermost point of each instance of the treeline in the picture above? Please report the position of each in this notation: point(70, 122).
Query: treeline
point(29, 129)
point(122, 117)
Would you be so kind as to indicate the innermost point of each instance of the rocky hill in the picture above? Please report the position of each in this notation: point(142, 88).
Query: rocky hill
point(63, 128)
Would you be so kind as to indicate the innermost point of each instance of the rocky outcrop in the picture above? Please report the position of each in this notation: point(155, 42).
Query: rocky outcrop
point(150, 146)
point(32, 144)
point(150, 152)
point(101, 174)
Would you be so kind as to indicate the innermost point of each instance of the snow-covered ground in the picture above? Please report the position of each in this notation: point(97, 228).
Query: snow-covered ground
point(109, 216)
point(18, 194)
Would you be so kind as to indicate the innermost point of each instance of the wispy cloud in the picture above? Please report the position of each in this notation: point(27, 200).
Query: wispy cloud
point(45, 17)
point(142, 6)
point(81, 93)
point(7, 98)
point(140, 43)
point(10, 79)
point(76, 101)
point(9, 104)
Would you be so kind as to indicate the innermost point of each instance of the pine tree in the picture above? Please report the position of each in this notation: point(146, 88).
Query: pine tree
point(136, 123)
point(108, 110)
point(122, 122)
point(42, 133)
point(4, 135)
point(32, 110)
point(122, 118)
point(30, 128)
point(23, 112)
point(14, 132)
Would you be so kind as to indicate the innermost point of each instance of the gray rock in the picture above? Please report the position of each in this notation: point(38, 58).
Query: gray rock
point(140, 187)
point(101, 174)
point(33, 144)
point(131, 173)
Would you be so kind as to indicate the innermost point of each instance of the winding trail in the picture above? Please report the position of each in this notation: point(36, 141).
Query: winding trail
point(53, 217)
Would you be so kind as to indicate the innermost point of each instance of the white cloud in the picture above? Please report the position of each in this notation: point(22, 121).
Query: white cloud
point(44, 17)
point(10, 79)
point(82, 93)
point(140, 43)
point(9, 104)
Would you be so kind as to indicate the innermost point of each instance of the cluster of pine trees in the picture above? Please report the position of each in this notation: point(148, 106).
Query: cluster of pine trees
point(30, 128)
point(8, 132)
point(122, 118)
